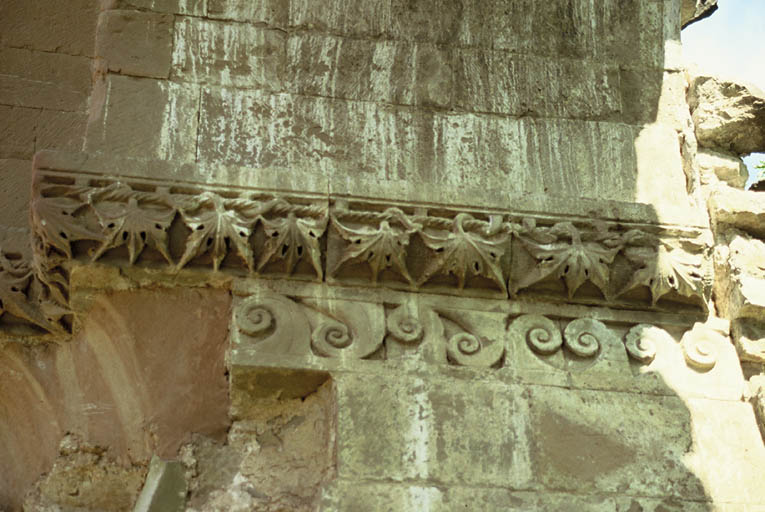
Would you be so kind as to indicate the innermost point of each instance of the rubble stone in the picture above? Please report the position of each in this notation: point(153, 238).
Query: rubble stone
point(728, 116)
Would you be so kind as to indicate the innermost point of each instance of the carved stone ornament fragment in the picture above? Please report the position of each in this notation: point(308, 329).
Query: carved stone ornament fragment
point(464, 253)
point(131, 218)
point(562, 252)
point(292, 239)
point(216, 222)
point(381, 247)
point(641, 344)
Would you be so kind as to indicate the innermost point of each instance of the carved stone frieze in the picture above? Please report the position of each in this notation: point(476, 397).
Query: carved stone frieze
point(317, 326)
point(401, 246)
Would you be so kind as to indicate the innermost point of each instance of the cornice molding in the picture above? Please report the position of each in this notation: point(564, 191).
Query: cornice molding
point(346, 241)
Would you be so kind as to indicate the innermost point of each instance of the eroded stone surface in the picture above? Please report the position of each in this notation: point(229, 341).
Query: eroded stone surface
point(728, 116)
point(124, 383)
point(715, 166)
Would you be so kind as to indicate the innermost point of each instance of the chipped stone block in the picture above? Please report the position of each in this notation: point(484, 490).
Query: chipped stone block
point(741, 209)
point(229, 54)
point(164, 489)
point(135, 42)
point(696, 10)
point(716, 166)
point(749, 338)
point(728, 116)
point(44, 80)
point(145, 118)
point(740, 277)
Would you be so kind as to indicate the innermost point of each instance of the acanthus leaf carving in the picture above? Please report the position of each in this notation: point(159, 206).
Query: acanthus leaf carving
point(562, 252)
point(133, 219)
point(291, 239)
point(18, 298)
point(665, 269)
point(463, 253)
point(381, 247)
point(214, 222)
point(54, 221)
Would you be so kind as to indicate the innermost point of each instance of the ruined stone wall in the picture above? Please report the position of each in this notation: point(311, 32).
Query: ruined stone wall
point(378, 255)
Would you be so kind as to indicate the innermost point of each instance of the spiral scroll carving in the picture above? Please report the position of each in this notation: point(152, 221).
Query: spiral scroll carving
point(331, 335)
point(404, 326)
point(469, 350)
point(640, 343)
point(582, 336)
point(699, 348)
point(272, 323)
point(254, 319)
point(541, 334)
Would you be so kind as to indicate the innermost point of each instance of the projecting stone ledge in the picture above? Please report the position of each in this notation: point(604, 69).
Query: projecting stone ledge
point(728, 116)
point(696, 10)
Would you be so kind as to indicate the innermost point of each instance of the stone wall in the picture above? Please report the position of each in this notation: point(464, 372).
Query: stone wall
point(376, 255)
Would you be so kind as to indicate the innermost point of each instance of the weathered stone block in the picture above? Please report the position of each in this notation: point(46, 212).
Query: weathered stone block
point(431, 429)
point(61, 27)
point(740, 277)
point(164, 489)
point(727, 454)
point(44, 80)
point(501, 82)
point(60, 130)
point(144, 118)
point(351, 495)
point(230, 54)
point(749, 338)
point(135, 42)
point(696, 10)
point(388, 71)
point(17, 132)
point(602, 442)
point(741, 209)
point(728, 116)
point(715, 166)
point(355, 139)
point(192, 7)
point(274, 13)
point(16, 182)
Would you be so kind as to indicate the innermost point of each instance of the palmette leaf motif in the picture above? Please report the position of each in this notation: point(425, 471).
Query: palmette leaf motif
point(665, 270)
point(381, 247)
point(55, 222)
point(464, 253)
point(293, 239)
point(570, 258)
point(215, 222)
point(132, 219)
point(15, 279)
